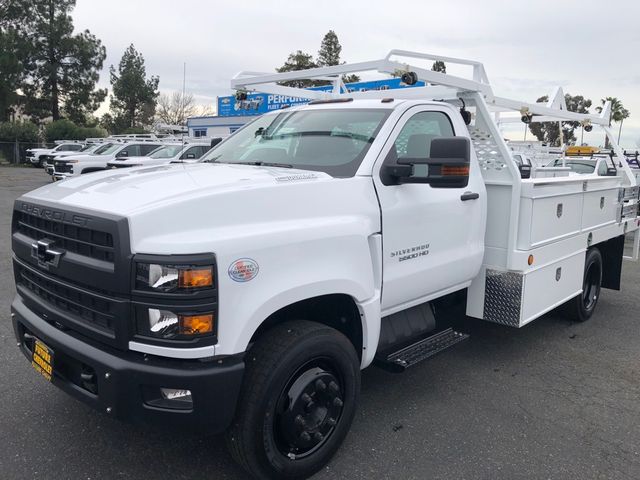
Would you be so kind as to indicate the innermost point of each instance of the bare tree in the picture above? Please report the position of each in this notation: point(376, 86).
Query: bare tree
point(174, 109)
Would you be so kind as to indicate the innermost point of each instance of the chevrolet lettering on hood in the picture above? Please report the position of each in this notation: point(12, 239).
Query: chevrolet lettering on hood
point(50, 214)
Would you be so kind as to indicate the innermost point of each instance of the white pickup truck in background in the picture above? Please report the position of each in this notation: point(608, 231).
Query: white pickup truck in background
point(34, 155)
point(75, 165)
point(188, 150)
point(246, 292)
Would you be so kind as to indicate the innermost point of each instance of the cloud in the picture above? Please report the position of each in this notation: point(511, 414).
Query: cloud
point(528, 48)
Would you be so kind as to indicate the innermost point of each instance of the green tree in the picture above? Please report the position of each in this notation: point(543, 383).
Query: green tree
point(134, 97)
point(14, 54)
point(329, 55)
point(67, 130)
point(549, 132)
point(21, 131)
point(618, 114)
point(63, 67)
point(298, 61)
point(439, 66)
point(11, 73)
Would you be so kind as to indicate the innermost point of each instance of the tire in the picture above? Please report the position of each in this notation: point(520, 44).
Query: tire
point(581, 308)
point(297, 402)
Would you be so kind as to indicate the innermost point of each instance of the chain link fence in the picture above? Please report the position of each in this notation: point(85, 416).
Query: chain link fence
point(16, 152)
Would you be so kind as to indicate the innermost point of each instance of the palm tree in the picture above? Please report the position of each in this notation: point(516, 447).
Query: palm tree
point(618, 114)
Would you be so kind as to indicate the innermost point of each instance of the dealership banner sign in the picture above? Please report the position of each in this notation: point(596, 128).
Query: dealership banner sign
point(259, 103)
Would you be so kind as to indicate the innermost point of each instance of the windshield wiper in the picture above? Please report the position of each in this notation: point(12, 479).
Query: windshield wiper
point(264, 164)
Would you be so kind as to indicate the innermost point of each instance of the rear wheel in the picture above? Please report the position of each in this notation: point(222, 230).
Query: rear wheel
point(298, 399)
point(582, 307)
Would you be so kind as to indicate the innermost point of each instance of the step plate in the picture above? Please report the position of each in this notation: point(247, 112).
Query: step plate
point(424, 349)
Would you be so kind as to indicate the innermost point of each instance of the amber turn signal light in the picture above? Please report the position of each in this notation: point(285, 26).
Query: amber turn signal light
point(195, 277)
point(457, 171)
point(530, 260)
point(196, 324)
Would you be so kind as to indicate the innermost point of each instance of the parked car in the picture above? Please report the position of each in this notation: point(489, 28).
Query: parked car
point(48, 159)
point(163, 155)
point(79, 164)
point(35, 155)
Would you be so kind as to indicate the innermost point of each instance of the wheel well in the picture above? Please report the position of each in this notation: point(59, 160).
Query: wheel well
point(338, 311)
point(612, 251)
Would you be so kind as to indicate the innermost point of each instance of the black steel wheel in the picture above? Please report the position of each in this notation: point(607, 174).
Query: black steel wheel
point(581, 308)
point(298, 399)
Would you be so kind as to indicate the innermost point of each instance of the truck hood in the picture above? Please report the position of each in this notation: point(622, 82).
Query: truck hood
point(135, 190)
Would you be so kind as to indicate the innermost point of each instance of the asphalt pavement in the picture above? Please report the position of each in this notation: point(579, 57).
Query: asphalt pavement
point(553, 400)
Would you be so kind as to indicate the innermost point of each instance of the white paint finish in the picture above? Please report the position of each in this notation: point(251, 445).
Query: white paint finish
point(599, 208)
point(542, 290)
point(415, 215)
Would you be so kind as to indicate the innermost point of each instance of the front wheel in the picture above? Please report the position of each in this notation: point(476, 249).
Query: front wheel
point(581, 308)
point(299, 396)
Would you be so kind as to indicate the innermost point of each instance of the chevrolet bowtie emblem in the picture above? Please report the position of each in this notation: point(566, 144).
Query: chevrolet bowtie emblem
point(44, 252)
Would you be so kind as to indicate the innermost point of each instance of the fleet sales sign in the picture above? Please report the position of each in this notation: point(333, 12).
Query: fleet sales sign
point(259, 103)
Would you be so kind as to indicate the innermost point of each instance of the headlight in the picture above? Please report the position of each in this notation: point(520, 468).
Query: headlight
point(169, 325)
point(71, 161)
point(173, 278)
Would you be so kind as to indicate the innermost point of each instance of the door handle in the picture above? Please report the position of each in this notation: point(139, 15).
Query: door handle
point(469, 196)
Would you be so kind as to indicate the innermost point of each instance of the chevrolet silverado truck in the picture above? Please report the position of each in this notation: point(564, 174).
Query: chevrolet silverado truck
point(244, 294)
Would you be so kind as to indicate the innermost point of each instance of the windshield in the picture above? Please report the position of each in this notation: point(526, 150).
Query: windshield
point(331, 141)
point(107, 148)
point(87, 148)
point(578, 167)
point(168, 151)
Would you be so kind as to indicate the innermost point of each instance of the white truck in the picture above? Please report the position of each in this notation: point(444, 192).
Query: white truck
point(35, 155)
point(75, 165)
point(171, 152)
point(245, 293)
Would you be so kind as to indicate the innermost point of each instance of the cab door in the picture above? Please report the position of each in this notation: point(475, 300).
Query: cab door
point(433, 238)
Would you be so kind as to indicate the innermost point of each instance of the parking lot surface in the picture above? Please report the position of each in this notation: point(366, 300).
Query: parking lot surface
point(553, 400)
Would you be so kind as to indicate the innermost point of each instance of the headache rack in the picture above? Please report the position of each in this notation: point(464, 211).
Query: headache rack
point(475, 91)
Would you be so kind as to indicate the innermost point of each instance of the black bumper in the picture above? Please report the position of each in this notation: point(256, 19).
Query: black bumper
point(126, 385)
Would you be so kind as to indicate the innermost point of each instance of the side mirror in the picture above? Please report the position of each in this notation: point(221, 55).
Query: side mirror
point(448, 165)
point(525, 171)
point(190, 155)
point(612, 172)
point(123, 153)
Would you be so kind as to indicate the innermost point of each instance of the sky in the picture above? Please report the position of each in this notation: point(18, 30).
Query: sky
point(589, 47)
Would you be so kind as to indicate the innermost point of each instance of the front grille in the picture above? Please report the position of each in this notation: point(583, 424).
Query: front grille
point(87, 308)
point(83, 241)
point(63, 167)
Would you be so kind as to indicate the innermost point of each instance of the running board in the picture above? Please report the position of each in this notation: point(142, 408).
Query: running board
point(421, 350)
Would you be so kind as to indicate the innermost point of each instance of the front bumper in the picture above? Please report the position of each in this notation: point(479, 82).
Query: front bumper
point(126, 384)
point(60, 176)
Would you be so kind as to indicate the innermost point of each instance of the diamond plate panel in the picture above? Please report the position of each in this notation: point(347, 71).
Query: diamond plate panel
point(503, 297)
point(489, 156)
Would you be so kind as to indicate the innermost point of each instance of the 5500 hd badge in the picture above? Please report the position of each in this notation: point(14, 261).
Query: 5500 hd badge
point(411, 253)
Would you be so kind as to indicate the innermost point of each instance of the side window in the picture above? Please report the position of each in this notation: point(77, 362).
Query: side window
point(74, 147)
point(414, 140)
point(193, 152)
point(129, 151)
point(603, 168)
point(146, 149)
